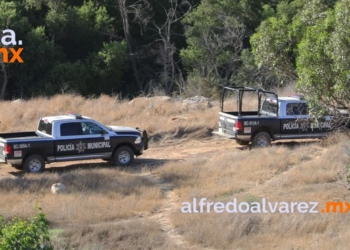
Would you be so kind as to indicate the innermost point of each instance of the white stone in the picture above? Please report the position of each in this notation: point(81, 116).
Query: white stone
point(58, 188)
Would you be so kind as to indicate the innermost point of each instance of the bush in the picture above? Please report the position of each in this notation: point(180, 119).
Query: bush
point(30, 234)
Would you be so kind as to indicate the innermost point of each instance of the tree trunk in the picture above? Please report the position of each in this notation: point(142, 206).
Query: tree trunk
point(4, 84)
point(124, 15)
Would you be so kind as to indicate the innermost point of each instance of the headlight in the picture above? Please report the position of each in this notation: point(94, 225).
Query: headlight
point(138, 140)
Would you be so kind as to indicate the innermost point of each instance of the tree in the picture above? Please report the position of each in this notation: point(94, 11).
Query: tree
point(217, 32)
point(275, 41)
point(124, 10)
point(323, 61)
point(10, 18)
point(167, 51)
point(314, 51)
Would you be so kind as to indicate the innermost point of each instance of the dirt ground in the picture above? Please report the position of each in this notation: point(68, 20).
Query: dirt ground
point(157, 155)
point(160, 153)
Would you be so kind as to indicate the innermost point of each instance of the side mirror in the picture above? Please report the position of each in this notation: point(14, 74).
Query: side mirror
point(103, 132)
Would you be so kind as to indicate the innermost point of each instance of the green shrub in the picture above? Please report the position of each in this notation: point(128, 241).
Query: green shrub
point(30, 234)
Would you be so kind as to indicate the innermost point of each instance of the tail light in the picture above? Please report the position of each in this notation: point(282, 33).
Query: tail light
point(238, 125)
point(7, 149)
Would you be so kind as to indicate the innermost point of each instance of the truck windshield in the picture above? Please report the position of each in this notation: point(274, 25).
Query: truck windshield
point(45, 127)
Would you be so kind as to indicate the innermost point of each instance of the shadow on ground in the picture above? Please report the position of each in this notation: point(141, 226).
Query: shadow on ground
point(138, 165)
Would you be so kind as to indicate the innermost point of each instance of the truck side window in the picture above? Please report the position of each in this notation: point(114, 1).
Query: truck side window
point(297, 109)
point(45, 127)
point(90, 128)
point(69, 129)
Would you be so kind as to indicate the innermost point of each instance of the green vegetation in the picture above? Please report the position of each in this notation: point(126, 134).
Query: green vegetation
point(130, 47)
point(30, 234)
point(306, 41)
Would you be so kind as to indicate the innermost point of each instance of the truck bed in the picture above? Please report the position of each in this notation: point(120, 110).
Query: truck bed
point(19, 135)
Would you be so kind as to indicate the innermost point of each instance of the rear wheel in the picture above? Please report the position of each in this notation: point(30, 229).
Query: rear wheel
point(261, 139)
point(34, 164)
point(123, 156)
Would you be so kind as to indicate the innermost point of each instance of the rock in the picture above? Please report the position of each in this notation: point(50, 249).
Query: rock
point(18, 101)
point(196, 99)
point(144, 100)
point(58, 188)
point(179, 118)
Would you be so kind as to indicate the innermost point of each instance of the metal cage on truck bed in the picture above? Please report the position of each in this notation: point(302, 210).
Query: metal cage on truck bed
point(240, 95)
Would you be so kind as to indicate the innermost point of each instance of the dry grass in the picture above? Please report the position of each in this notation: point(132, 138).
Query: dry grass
point(290, 174)
point(160, 116)
point(90, 194)
point(136, 234)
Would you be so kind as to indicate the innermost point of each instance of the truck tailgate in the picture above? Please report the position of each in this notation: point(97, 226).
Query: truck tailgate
point(227, 125)
point(2, 155)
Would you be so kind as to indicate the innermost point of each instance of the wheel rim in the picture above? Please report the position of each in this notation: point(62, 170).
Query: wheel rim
point(34, 165)
point(124, 157)
point(262, 141)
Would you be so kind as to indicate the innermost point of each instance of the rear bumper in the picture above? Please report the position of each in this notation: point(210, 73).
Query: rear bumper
point(3, 159)
point(14, 161)
point(231, 134)
point(224, 135)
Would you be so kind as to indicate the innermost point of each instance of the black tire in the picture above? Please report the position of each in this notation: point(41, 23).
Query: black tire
point(34, 164)
point(261, 139)
point(123, 156)
point(243, 143)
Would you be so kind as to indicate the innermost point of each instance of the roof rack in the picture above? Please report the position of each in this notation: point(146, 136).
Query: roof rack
point(76, 116)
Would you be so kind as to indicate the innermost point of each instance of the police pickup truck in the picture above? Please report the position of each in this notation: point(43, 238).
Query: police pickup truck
point(270, 118)
point(71, 137)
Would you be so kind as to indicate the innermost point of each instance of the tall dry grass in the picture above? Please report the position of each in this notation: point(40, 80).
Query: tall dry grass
point(290, 174)
point(94, 196)
point(158, 115)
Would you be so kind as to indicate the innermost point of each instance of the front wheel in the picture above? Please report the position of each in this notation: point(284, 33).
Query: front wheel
point(34, 164)
point(123, 156)
point(261, 139)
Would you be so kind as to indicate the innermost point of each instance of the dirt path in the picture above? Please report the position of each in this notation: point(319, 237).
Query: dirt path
point(162, 216)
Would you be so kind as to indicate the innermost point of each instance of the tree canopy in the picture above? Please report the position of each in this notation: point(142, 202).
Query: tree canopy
point(133, 47)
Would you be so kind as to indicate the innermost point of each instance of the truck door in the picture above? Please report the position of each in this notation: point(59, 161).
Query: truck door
point(296, 121)
point(82, 140)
